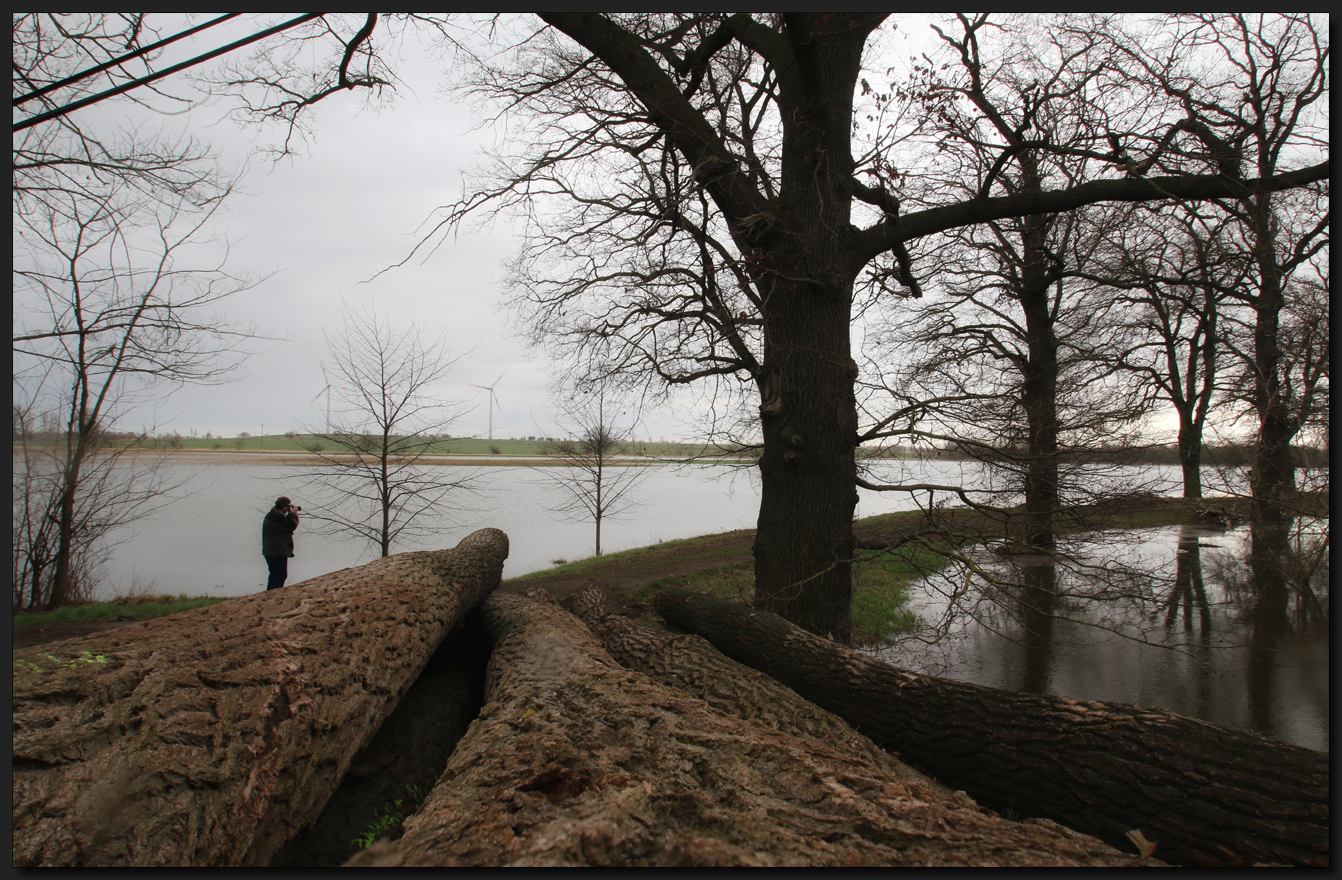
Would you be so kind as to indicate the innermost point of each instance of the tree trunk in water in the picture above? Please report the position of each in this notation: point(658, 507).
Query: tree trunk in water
point(1272, 478)
point(1039, 392)
point(1204, 794)
point(211, 737)
point(576, 760)
point(1190, 456)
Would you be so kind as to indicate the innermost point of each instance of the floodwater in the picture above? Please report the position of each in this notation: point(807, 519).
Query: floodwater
point(1158, 617)
point(208, 541)
point(1169, 617)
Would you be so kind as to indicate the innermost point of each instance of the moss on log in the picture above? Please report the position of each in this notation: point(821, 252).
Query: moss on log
point(212, 736)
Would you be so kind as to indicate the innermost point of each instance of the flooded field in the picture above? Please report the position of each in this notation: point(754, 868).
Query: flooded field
point(1176, 617)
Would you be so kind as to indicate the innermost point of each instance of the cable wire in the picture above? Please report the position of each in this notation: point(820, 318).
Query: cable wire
point(145, 80)
point(23, 99)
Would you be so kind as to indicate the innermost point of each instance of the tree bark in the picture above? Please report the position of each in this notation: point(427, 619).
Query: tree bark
point(691, 664)
point(1190, 454)
point(576, 760)
point(211, 737)
point(1204, 794)
point(1272, 478)
point(808, 413)
point(1039, 390)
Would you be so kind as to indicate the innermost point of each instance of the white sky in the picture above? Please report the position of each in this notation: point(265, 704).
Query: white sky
point(326, 220)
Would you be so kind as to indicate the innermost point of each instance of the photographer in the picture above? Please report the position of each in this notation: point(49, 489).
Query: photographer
point(277, 540)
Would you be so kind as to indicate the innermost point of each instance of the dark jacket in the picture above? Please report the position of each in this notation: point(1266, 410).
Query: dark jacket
point(277, 533)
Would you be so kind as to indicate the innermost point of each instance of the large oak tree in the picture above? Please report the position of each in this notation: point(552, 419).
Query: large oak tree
point(710, 157)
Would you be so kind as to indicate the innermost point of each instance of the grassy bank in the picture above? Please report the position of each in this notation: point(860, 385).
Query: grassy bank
point(281, 443)
point(880, 590)
point(137, 608)
point(880, 580)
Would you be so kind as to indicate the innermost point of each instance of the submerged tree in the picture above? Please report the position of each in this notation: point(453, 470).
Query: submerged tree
point(373, 478)
point(733, 136)
point(597, 486)
point(1011, 353)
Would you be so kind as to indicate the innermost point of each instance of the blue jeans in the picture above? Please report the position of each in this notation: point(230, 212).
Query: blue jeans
point(279, 571)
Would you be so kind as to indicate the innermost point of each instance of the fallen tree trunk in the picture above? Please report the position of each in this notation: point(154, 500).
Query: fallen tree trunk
point(690, 663)
point(211, 737)
point(1206, 795)
point(576, 760)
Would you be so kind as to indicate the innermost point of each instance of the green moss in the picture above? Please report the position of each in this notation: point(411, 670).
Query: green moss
point(387, 821)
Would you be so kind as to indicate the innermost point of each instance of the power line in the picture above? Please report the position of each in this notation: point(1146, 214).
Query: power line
point(23, 99)
point(145, 80)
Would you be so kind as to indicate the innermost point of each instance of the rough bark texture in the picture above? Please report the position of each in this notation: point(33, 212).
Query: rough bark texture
point(690, 663)
point(576, 760)
point(1204, 794)
point(405, 758)
point(211, 737)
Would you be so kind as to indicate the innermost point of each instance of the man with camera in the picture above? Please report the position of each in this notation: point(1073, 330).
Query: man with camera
point(277, 540)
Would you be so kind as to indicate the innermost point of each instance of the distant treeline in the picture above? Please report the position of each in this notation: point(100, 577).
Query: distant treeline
point(1224, 455)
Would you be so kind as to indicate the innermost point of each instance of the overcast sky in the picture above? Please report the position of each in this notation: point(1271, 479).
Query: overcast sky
point(319, 225)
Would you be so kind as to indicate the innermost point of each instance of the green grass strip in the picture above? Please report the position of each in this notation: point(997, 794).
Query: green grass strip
point(119, 608)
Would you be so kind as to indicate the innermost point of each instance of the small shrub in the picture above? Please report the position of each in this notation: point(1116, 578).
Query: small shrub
point(560, 561)
point(494, 450)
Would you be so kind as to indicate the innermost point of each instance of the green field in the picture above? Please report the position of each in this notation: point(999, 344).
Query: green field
point(447, 446)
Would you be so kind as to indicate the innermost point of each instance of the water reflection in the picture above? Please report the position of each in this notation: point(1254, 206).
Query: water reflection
point(1225, 624)
point(1039, 604)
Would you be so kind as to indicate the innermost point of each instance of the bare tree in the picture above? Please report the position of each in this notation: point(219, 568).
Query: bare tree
point(119, 482)
point(103, 311)
point(1016, 108)
point(69, 156)
point(1304, 348)
point(750, 120)
point(594, 474)
point(1253, 89)
point(1178, 272)
point(373, 477)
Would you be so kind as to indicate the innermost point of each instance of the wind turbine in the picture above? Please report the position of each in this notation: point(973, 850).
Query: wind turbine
point(327, 392)
point(495, 398)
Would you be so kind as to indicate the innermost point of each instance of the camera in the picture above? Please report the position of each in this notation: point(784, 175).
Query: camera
point(297, 507)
